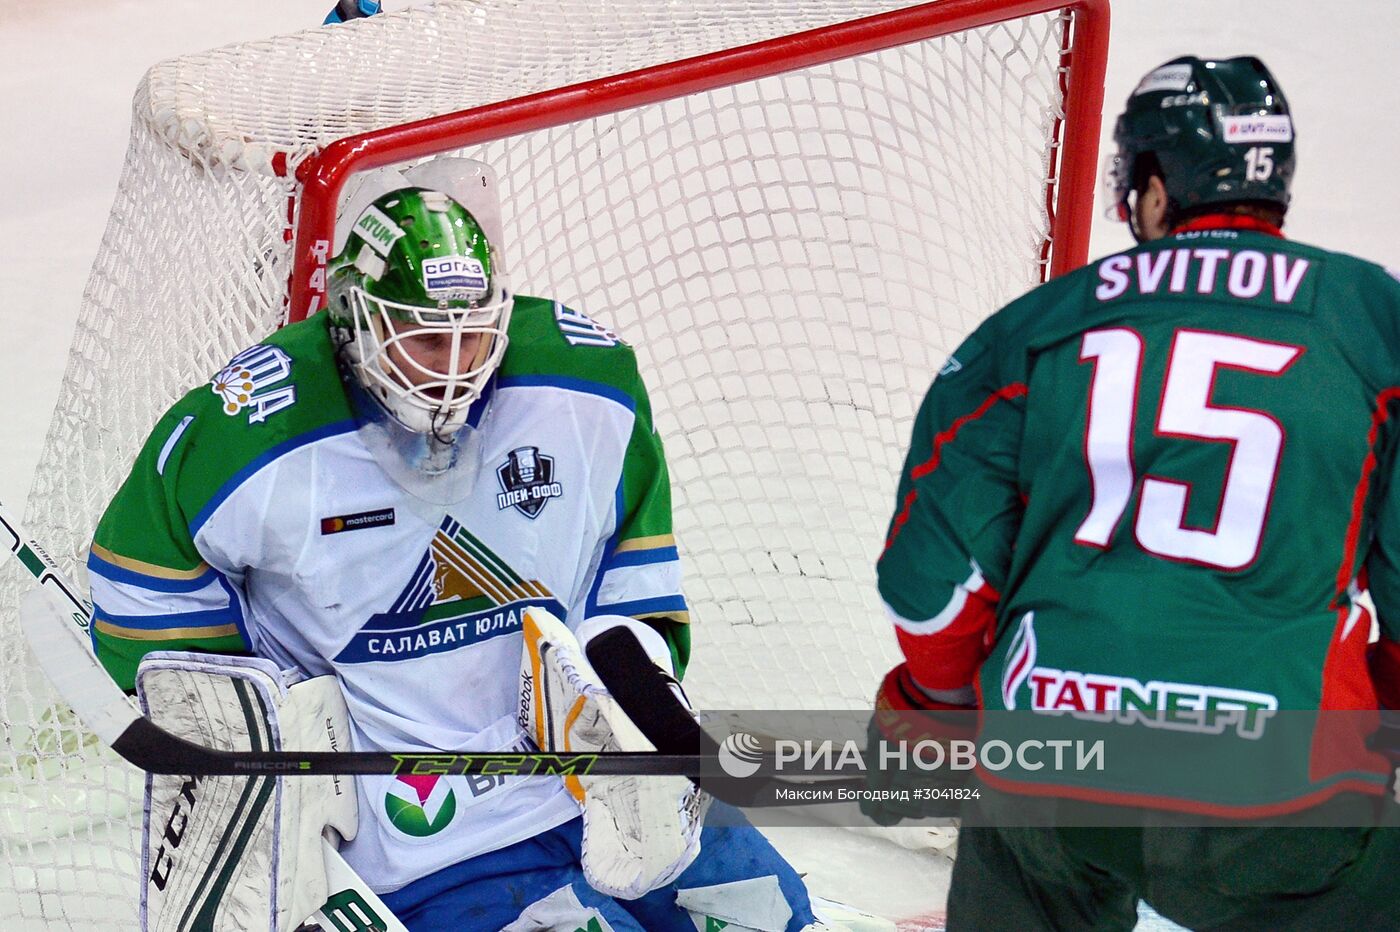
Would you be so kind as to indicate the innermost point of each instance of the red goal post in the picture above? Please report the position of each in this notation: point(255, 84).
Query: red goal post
point(1070, 181)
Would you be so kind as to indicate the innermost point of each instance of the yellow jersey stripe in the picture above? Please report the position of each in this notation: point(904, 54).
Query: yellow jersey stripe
point(147, 569)
point(167, 634)
point(680, 618)
point(655, 542)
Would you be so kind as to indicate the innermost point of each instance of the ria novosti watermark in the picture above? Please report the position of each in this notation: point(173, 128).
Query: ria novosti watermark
point(1197, 763)
point(742, 755)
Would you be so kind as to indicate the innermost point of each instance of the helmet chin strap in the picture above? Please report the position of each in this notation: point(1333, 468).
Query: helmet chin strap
point(1133, 227)
point(441, 431)
point(440, 473)
point(1129, 208)
point(442, 426)
point(1131, 215)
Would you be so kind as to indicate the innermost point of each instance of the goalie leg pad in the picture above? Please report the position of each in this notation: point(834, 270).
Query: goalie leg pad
point(639, 833)
point(224, 852)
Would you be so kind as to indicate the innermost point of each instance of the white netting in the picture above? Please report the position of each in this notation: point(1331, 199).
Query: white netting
point(792, 258)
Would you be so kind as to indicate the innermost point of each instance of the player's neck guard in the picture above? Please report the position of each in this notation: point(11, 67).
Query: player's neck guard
point(424, 466)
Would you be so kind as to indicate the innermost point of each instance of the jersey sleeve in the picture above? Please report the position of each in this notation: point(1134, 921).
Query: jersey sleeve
point(151, 588)
point(1381, 566)
point(159, 579)
point(1382, 572)
point(640, 571)
point(948, 549)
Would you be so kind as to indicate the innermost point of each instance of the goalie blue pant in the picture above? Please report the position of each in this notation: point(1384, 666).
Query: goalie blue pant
point(541, 876)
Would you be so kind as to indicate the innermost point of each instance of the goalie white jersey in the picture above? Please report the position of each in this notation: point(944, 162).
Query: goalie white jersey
point(259, 518)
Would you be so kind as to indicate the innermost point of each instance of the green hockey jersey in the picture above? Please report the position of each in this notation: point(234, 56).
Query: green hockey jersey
point(1152, 492)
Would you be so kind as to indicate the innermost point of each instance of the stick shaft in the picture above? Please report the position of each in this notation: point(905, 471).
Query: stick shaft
point(57, 627)
point(349, 890)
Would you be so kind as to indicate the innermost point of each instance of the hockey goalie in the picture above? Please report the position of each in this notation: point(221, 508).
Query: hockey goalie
point(378, 498)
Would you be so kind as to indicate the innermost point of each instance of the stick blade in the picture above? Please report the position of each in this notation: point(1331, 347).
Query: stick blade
point(352, 904)
point(48, 619)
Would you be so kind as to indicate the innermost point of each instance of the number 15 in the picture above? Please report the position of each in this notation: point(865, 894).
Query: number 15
point(1256, 440)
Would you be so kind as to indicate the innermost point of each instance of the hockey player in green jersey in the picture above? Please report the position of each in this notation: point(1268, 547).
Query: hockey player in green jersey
point(381, 494)
point(1159, 485)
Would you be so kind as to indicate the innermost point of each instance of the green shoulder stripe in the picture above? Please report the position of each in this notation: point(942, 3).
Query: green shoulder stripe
point(551, 341)
point(553, 344)
point(281, 394)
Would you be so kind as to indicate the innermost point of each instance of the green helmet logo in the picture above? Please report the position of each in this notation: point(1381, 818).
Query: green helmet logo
point(417, 264)
point(1220, 130)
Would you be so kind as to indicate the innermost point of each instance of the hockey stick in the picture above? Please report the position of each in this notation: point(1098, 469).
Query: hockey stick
point(55, 621)
point(352, 906)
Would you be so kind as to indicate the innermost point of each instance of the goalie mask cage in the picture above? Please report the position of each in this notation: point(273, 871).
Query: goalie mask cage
point(792, 209)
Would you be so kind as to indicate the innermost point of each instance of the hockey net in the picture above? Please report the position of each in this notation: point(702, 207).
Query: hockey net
point(793, 253)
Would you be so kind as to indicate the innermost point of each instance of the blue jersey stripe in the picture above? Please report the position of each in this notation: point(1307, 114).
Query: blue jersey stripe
point(569, 383)
point(205, 619)
point(590, 604)
point(640, 608)
point(268, 456)
point(641, 557)
point(126, 577)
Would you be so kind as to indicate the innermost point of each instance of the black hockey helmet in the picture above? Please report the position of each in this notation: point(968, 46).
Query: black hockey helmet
point(1219, 130)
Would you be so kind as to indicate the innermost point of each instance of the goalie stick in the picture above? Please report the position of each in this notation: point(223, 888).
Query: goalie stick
point(352, 906)
point(56, 622)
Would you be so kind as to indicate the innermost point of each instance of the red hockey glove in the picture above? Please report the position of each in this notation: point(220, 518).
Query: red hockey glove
point(918, 752)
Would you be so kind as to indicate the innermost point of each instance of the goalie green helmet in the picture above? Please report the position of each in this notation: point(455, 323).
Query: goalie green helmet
point(420, 308)
point(1219, 130)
